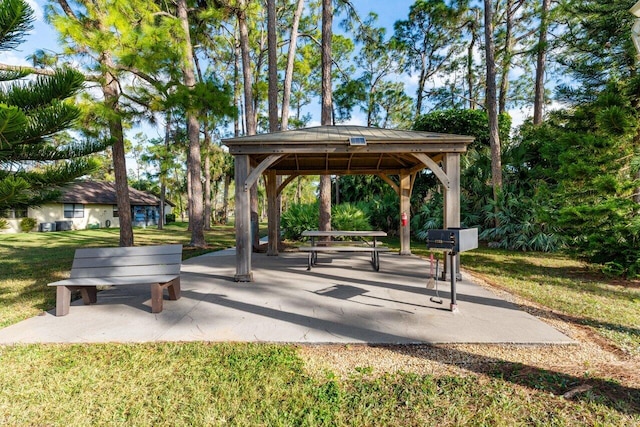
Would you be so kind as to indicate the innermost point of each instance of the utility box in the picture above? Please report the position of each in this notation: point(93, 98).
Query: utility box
point(47, 226)
point(64, 225)
point(453, 239)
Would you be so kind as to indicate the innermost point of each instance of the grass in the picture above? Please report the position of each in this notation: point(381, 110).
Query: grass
point(31, 260)
point(262, 384)
point(258, 384)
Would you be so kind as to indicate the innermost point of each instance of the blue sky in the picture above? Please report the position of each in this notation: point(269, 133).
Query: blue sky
point(44, 37)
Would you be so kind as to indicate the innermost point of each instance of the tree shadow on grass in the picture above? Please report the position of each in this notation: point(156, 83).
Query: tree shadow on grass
point(582, 280)
point(606, 392)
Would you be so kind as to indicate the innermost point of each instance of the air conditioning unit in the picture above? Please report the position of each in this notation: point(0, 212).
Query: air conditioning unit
point(64, 225)
point(47, 226)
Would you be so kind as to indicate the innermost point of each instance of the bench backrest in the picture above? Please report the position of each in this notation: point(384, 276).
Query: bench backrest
point(127, 261)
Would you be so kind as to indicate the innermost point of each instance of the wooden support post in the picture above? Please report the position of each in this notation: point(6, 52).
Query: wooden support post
point(452, 195)
point(243, 221)
point(272, 213)
point(451, 213)
point(405, 208)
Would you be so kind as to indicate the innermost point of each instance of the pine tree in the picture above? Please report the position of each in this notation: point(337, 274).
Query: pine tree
point(36, 157)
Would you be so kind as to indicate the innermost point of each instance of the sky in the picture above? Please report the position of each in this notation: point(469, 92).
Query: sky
point(389, 11)
point(44, 37)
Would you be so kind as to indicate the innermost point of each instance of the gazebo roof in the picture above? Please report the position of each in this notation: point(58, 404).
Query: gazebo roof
point(332, 150)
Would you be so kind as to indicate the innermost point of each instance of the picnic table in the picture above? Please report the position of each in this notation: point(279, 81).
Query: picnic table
point(365, 241)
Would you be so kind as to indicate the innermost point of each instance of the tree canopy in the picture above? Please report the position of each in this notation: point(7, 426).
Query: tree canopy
point(37, 156)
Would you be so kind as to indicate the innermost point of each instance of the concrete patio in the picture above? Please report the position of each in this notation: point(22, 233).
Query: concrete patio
point(342, 300)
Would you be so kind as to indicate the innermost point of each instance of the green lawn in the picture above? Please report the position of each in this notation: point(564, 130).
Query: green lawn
point(29, 261)
point(262, 384)
point(204, 384)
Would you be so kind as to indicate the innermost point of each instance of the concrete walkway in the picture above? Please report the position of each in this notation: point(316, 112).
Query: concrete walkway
point(342, 300)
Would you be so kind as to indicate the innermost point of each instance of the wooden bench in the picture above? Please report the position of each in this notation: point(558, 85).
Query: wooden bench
point(156, 266)
point(367, 242)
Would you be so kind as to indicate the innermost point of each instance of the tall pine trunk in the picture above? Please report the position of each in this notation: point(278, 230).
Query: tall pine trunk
point(163, 171)
point(491, 101)
point(207, 178)
point(196, 214)
point(507, 57)
point(288, 76)
point(326, 113)
point(538, 103)
point(111, 92)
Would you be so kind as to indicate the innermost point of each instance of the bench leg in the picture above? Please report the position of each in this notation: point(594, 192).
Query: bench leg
point(89, 294)
point(174, 289)
point(156, 298)
point(63, 300)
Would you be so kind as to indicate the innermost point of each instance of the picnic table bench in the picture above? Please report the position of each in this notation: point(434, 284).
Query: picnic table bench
point(366, 241)
point(156, 266)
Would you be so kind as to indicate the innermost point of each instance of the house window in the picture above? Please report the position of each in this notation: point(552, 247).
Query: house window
point(115, 211)
point(73, 210)
point(14, 213)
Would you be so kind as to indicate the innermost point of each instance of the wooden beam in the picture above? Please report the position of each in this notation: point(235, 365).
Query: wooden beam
point(328, 149)
point(364, 171)
point(286, 182)
point(433, 166)
point(388, 180)
point(258, 170)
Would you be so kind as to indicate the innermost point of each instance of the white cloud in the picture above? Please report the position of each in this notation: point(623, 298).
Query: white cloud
point(10, 58)
point(37, 10)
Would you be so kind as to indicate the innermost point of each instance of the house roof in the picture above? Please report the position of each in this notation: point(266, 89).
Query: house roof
point(104, 193)
point(332, 150)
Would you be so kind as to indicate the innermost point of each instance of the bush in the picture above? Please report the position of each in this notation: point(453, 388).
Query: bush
point(170, 218)
point(347, 216)
point(519, 227)
point(298, 218)
point(4, 224)
point(28, 224)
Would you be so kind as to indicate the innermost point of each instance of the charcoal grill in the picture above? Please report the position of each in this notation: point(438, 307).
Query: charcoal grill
point(453, 241)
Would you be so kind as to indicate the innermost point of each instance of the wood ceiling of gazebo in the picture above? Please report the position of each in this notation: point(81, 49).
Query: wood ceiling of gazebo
point(327, 150)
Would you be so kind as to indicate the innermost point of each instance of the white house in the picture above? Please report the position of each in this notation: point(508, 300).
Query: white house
point(88, 204)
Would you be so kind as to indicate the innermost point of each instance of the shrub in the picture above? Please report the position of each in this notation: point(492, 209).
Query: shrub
point(301, 217)
point(347, 216)
point(170, 218)
point(519, 227)
point(28, 224)
point(4, 224)
point(298, 218)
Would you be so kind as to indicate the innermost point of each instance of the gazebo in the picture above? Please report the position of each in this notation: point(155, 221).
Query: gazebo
point(340, 150)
